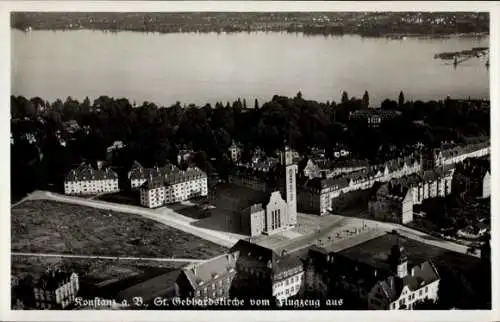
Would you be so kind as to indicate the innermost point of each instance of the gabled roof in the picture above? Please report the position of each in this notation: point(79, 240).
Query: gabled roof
point(267, 257)
point(418, 277)
point(86, 173)
point(167, 175)
point(200, 273)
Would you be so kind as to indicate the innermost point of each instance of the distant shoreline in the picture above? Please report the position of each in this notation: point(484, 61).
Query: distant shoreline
point(365, 24)
point(392, 36)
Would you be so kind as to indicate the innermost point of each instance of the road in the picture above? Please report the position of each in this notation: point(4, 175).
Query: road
point(346, 230)
point(170, 218)
point(417, 235)
point(157, 259)
point(166, 216)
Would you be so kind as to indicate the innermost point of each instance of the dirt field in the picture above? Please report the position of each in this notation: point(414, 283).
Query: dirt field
point(53, 227)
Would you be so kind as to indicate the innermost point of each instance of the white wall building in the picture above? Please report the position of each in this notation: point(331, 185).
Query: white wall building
point(88, 181)
point(173, 186)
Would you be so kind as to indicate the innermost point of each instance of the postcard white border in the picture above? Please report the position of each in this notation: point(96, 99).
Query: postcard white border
point(241, 6)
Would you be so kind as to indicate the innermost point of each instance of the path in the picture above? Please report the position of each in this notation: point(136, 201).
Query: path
point(157, 259)
point(167, 216)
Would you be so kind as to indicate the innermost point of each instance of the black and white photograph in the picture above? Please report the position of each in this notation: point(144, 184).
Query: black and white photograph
point(250, 160)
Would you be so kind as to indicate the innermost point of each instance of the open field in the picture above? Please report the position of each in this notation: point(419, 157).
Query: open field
point(52, 227)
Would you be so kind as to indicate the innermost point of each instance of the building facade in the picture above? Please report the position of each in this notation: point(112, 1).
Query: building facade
point(171, 185)
point(258, 204)
point(262, 273)
point(373, 117)
point(317, 195)
point(392, 202)
point(56, 290)
point(86, 180)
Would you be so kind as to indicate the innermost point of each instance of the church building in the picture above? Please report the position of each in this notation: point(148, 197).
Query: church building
point(253, 211)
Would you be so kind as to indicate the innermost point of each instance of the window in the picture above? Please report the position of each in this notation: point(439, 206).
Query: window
point(426, 289)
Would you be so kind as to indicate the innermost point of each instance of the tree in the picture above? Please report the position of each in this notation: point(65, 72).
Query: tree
point(366, 99)
point(299, 95)
point(345, 97)
point(401, 99)
point(244, 104)
point(256, 105)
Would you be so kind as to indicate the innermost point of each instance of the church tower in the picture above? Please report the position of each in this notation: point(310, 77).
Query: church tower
point(290, 185)
point(399, 261)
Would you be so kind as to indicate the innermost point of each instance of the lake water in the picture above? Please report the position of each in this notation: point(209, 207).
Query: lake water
point(200, 68)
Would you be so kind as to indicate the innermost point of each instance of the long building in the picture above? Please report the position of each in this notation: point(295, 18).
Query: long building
point(86, 180)
point(170, 185)
point(317, 195)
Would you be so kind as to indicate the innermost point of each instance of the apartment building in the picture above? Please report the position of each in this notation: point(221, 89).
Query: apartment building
point(392, 202)
point(317, 195)
point(475, 177)
point(56, 290)
point(171, 184)
point(86, 180)
point(373, 117)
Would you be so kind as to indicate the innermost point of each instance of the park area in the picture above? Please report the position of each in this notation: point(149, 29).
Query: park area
point(40, 226)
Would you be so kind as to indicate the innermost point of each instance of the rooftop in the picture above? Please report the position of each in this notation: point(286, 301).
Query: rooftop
point(151, 288)
point(375, 252)
point(85, 172)
point(200, 273)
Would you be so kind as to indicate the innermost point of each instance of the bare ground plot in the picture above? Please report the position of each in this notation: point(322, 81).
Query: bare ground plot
point(41, 226)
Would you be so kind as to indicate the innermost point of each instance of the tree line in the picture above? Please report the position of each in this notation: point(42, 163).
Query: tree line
point(154, 134)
